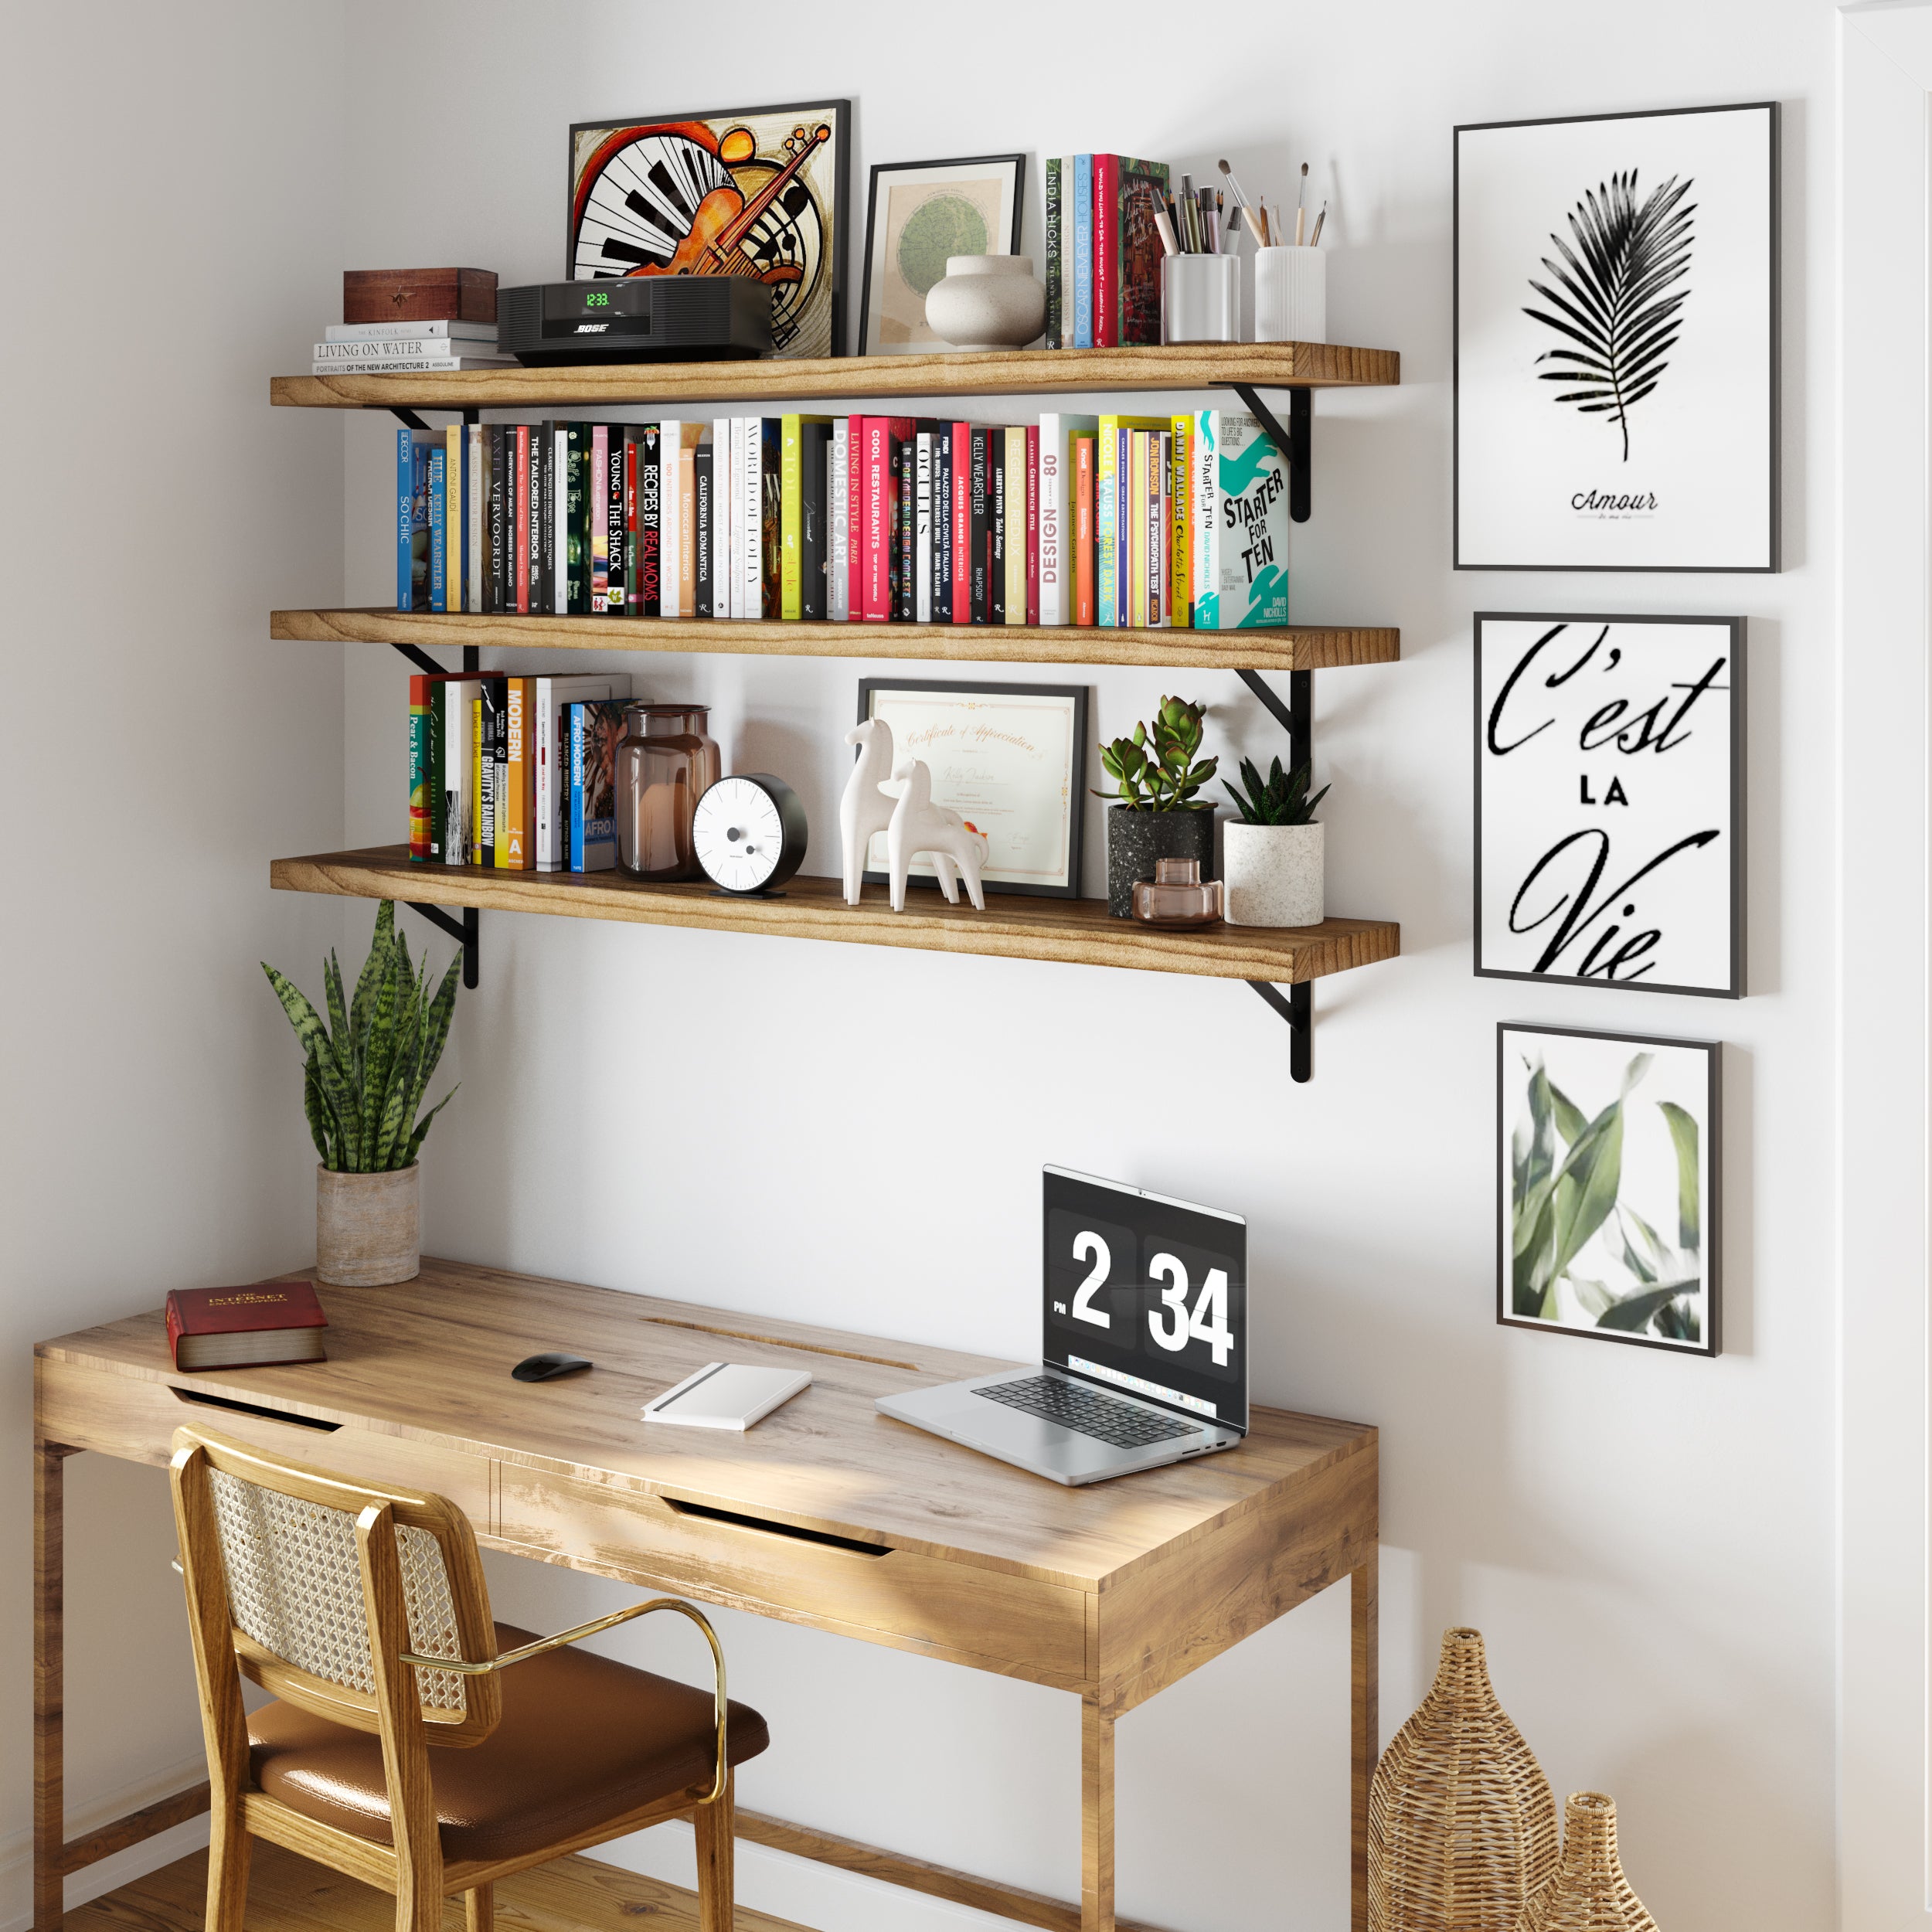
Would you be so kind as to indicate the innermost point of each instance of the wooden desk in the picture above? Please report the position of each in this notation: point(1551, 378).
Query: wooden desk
point(827, 1514)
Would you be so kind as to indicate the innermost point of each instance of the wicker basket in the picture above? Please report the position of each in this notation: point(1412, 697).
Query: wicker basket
point(1588, 1892)
point(1461, 1825)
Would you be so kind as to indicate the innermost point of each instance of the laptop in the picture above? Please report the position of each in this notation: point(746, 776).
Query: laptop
point(1143, 1349)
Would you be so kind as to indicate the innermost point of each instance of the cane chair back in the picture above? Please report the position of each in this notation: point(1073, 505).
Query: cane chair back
point(294, 1561)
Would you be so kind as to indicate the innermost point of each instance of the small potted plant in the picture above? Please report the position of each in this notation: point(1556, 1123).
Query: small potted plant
point(1271, 857)
point(1155, 814)
point(368, 1066)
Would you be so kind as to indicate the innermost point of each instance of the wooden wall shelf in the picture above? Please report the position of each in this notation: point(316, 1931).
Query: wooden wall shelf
point(1034, 371)
point(1290, 648)
point(1076, 932)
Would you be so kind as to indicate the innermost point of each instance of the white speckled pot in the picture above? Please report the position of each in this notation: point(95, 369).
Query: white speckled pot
point(1271, 875)
point(987, 302)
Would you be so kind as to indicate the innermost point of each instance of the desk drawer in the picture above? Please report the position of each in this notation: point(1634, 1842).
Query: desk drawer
point(983, 1617)
point(124, 1416)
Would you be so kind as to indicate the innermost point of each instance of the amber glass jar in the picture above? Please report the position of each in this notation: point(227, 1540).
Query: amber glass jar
point(1177, 895)
point(665, 761)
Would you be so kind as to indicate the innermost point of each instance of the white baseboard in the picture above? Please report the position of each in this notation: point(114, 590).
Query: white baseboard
point(16, 1849)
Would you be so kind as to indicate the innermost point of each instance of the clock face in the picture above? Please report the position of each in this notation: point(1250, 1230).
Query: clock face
point(738, 834)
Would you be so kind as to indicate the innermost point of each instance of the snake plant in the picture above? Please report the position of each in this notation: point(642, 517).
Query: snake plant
point(1154, 769)
point(368, 1064)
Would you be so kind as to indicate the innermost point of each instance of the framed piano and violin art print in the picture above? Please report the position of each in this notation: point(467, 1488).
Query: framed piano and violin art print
point(758, 192)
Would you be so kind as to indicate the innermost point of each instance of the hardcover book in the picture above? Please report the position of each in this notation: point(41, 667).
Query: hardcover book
point(412, 519)
point(1240, 524)
point(599, 478)
point(704, 523)
point(439, 566)
point(1141, 188)
point(551, 704)
point(595, 729)
point(838, 560)
point(1053, 232)
point(1056, 435)
point(619, 562)
point(576, 522)
point(815, 519)
point(455, 523)
point(420, 814)
point(1083, 251)
point(249, 1327)
point(650, 473)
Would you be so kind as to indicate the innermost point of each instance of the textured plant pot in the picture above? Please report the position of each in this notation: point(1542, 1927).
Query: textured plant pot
point(1272, 874)
point(368, 1226)
point(1136, 839)
point(987, 302)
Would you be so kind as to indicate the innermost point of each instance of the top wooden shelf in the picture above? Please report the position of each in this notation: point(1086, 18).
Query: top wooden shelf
point(867, 378)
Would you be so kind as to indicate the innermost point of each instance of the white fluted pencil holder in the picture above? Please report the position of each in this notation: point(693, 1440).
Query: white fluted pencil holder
point(1290, 295)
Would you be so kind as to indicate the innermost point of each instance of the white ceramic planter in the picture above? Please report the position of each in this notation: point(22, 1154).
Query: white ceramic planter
point(1271, 874)
point(987, 302)
point(368, 1227)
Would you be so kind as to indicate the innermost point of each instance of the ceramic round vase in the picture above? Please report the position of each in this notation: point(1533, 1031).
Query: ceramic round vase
point(1272, 874)
point(1462, 1828)
point(368, 1227)
point(987, 302)
point(1137, 840)
point(1588, 1892)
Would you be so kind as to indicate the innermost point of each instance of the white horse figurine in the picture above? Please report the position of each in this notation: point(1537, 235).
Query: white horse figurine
point(948, 840)
point(865, 809)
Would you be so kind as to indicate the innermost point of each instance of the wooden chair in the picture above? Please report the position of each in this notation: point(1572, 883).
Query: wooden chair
point(415, 1744)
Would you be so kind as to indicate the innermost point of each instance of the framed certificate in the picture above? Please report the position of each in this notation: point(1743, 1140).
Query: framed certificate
point(1010, 758)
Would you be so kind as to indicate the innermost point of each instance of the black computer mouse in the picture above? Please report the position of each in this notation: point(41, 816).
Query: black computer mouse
point(543, 1368)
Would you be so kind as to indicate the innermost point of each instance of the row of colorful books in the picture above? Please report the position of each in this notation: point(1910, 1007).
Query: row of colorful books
point(515, 773)
point(1109, 521)
point(1103, 250)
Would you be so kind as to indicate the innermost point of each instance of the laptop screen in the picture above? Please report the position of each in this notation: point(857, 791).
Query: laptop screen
point(1147, 1295)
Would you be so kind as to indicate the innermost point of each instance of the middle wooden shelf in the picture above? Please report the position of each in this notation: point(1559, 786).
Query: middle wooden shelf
point(1286, 647)
point(1076, 932)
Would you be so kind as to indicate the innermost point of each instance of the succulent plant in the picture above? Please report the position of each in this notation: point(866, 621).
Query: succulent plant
point(368, 1065)
point(1155, 770)
point(1282, 800)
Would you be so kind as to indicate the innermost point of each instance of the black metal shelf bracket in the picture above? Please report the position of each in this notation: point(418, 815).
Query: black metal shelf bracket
point(472, 660)
point(1294, 442)
point(1296, 717)
point(1296, 1007)
point(463, 929)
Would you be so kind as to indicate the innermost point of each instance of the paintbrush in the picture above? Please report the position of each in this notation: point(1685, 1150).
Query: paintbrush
point(1314, 239)
point(1300, 213)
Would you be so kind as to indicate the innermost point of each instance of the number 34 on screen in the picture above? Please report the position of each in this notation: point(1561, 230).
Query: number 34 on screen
point(1180, 1314)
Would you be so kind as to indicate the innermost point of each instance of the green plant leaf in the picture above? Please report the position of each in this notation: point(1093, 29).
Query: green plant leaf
point(379, 1056)
point(1586, 1183)
point(315, 1107)
point(370, 978)
point(314, 1038)
point(422, 1126)
point(1570, 1122)
point(1632, 1259)
point(338, 1011)
point(1683, 1133)
point(1633, 1313)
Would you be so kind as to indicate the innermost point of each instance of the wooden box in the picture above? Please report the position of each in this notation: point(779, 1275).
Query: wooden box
point(419, 295)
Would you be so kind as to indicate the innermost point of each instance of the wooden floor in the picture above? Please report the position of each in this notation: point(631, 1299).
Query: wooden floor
point(289, 1894)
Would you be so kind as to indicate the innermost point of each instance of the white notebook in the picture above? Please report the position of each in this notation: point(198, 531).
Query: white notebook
point(727, 1395)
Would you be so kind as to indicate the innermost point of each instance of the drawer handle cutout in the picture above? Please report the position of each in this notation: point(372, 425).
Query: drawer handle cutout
point(253, 1408)
point(776, 1529)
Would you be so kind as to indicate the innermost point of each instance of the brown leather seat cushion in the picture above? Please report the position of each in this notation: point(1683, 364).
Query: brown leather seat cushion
point(582, 1740)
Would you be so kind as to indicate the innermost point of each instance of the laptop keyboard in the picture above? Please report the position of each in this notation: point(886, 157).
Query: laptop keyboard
point(1086, 1413)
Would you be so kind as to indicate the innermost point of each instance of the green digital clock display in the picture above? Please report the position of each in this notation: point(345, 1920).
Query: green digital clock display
point(600, 298)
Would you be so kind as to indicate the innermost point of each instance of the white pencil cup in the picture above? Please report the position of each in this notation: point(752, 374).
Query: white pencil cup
point(1290, 295)
point(1200, 298)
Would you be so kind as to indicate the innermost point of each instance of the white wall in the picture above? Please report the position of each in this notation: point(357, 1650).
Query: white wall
point(169, 220)
point(1646, 1541)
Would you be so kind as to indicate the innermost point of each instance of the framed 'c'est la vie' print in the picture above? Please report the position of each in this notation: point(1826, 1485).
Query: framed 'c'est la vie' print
point(1616, 370)
point(1610, 801)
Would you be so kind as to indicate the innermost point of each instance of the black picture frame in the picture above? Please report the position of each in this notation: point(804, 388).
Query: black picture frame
point(1712, 1203)
point(1017, 162)
point(1774, 561)
point(836, 244)
point(1737, 830)
point(1080, 695)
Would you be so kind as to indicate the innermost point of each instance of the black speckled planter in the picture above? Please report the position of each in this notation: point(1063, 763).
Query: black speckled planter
point(1136, 839)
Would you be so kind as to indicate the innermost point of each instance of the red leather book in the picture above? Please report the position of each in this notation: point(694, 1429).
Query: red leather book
point(266, 1322)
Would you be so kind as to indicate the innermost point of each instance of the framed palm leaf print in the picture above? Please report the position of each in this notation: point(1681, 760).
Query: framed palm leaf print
point(1616, 341)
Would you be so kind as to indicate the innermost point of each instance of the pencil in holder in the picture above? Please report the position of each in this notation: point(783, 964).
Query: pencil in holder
point(1290, 295)
point(1200, 298)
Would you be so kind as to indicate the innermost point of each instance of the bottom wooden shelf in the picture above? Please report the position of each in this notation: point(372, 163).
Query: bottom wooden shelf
point(1072, 931)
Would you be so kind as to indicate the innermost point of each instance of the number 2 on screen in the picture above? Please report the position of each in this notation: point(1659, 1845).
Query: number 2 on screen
point(1089, 1246)
point(1172, 1326)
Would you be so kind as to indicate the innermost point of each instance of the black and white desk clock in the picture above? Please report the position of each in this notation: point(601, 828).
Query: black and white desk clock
point(749, 833)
